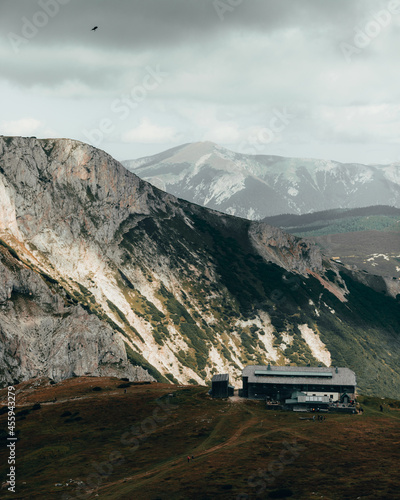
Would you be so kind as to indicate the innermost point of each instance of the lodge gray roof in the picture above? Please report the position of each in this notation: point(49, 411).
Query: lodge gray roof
point(312, 375)
point(220, 377)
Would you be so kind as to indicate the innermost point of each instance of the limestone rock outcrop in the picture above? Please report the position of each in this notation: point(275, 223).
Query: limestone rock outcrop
point(42, 335)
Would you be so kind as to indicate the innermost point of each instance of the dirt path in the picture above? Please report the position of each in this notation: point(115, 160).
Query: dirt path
point(232, 439)
point(174, 462)
point(159, 470)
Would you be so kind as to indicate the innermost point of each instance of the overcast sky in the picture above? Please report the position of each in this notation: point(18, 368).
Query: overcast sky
point(307, 78)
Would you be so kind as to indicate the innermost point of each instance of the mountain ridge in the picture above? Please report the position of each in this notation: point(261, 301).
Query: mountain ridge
point(187, 290)
point(257, 186)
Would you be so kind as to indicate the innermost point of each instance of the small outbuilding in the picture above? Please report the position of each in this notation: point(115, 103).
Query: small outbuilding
point(220, 387)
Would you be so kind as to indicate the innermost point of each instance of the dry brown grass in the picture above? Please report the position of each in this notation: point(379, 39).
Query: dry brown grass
point(238, 449)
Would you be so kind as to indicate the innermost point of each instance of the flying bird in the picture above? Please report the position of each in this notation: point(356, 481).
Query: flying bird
point(94, 29)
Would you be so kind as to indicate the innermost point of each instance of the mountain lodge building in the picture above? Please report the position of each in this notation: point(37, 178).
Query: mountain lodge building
point(278, 383)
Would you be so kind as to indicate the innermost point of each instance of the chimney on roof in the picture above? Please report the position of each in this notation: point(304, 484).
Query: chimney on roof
point(336, 369)
point(269, 366)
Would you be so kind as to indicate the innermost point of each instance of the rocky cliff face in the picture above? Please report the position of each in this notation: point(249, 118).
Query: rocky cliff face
point(289, 252)
point(42, 333)
point(44, 193)
point(124, 271)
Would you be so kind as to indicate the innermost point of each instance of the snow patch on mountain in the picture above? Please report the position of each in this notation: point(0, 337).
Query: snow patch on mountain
point(225, 187)
point(364, 175)
point(377, 255)
point(392, 173)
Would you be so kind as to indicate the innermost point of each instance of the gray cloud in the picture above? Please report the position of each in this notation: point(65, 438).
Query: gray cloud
point(225, 73)
point(133, 24)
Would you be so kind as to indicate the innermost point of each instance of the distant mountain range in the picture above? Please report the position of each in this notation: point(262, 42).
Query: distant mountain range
point(259, 186)
point(102, 273)
point(377, 217)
